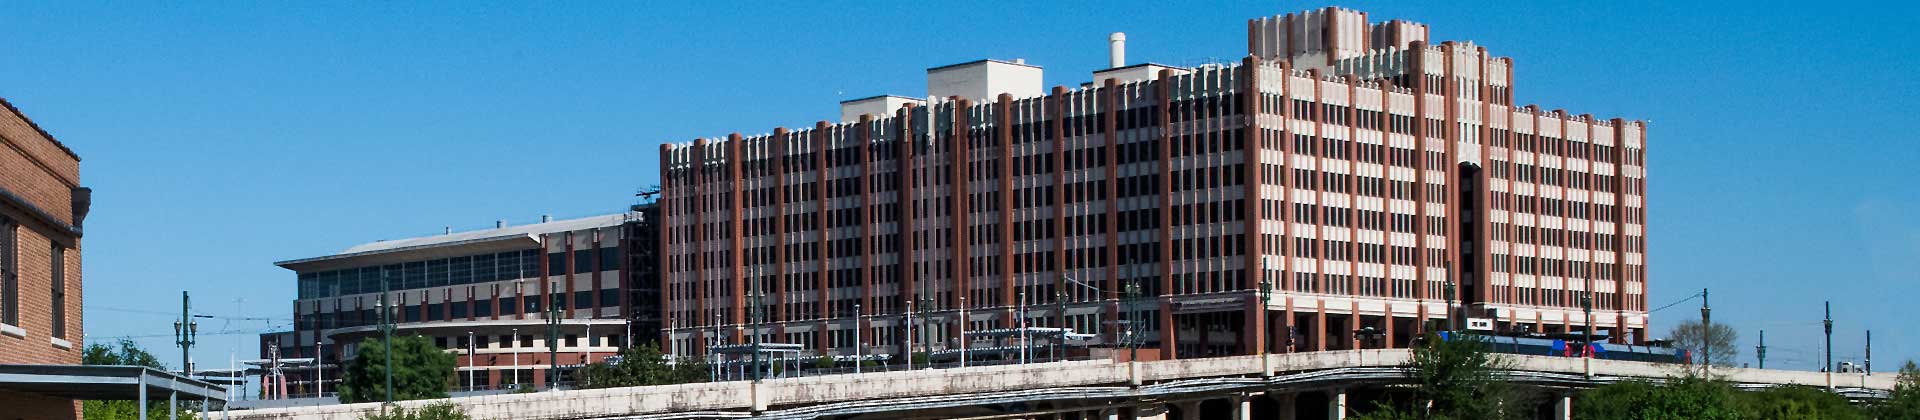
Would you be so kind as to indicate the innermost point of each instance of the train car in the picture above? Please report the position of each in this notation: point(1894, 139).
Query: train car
point(1560, 347)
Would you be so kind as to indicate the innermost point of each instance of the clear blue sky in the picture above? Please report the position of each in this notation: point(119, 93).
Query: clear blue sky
point(222, 137)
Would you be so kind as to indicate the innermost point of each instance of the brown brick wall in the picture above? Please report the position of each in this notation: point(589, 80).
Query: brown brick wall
point(36, 299)
point(36, 167)
point(41, 172)
point(35, 407)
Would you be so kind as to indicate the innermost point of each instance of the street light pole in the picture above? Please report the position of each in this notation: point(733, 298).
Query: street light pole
point(554, 316)
point(386, 330)
point(1134, 326)
point(471, 349)
point(1449, 294)
point(963, 332)
point(1828, 324)
point(858, 356)
point(1706, 332)
point(1022, 313)
point(1586, 305)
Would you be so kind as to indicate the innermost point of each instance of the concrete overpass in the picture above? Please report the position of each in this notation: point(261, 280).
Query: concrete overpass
point(1277, 386)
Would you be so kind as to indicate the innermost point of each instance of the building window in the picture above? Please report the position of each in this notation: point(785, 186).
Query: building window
point(9, 272)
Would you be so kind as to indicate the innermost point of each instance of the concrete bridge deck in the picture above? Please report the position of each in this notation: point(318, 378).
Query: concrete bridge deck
point(1007, 388)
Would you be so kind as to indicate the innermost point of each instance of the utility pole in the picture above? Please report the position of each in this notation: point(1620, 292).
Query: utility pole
point(471, 358)
point(184, 332)
point(1706, 332)
point(386, 332)
point(858, 356)
point(1449, 295)
point(1024, 344)
point(755, 331)
point(1761, 350)
point(554, 316)
point(1586, 305)
point(1828, 325)
point(963, 332)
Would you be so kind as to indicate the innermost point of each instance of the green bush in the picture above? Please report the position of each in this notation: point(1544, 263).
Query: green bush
point(436, 411)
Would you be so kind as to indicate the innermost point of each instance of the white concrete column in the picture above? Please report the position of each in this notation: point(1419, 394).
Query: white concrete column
point(1242, 408)
point(1337, 406)
point(1110, 414)
point(1564, 408)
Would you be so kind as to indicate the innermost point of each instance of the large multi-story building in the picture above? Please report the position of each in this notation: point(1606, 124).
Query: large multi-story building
point(1348, 184)
point(484, 295)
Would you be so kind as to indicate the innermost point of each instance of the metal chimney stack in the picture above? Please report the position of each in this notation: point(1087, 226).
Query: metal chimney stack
point(545, 218)
point(1117, 50)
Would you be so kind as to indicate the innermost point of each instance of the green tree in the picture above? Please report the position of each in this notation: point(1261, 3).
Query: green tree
point(1693, 337)
point(1904, 402)
point(1457, 378)
point(642, 366)
point(420, 371)
point(124, 353)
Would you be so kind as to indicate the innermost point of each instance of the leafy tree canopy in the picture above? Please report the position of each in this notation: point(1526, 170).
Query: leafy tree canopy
point(642, 366)
point(124, 353)
point(420, 371)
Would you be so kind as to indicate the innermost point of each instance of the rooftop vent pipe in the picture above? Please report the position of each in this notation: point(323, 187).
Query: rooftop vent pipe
point(1117, 50)
point(499, 224)
point(545, 218)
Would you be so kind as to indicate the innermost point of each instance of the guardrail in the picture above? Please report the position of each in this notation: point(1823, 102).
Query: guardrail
point(885, 390)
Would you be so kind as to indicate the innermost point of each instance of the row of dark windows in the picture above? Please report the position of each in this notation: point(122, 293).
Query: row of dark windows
point(460, 310)
point(453, 271)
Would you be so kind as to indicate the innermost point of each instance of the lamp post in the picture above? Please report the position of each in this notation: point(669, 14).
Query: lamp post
point(471, 346)
point(1828, 324)
point(554, 316)
point(756, 334)
point(1266, 297)
point(1022, 313)
point(386, 330)
point(963, 332)
point(1449, 294)
point(1586, 305)
point(858, 357)
point(516, 357)
point(1706, 332)
point(1133, 319)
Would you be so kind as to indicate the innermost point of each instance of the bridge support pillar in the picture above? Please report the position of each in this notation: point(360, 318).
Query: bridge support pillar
point(1109, 414)
point(1337, 405)
point(1284, 403)
point(1242, 408)
point(1563, 410)
point(1189, 410)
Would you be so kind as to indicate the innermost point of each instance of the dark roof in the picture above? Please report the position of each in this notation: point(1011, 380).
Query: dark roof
point(104, 382)
point(1139, 65)
point(36, 127)
point(884, 96)
point(969, 63)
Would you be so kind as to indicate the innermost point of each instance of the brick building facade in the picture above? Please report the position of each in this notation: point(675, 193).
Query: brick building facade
point(42, 206)
point(1348, 184)
point(485, 295)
